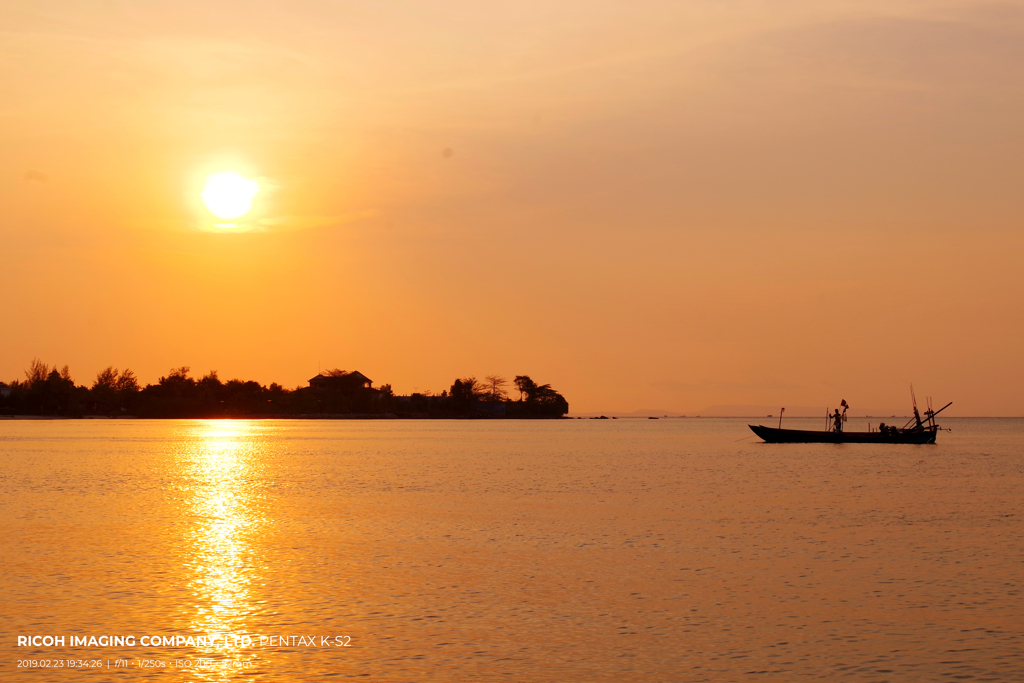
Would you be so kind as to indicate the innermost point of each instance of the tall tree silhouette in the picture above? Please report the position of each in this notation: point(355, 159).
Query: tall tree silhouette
point(525, 385)
point(495, 387)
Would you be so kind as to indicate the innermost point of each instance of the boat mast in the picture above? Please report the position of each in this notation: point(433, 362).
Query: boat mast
point(917, 415)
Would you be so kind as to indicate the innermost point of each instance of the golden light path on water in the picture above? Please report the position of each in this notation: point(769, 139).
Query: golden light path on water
point(222, 467)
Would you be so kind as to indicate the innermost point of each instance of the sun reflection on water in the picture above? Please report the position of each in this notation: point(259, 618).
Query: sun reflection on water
point(223, 469)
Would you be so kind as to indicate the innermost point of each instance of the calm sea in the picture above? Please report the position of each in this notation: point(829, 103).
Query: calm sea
point(576, 550)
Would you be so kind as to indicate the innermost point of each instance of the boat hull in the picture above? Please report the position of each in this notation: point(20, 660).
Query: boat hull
point(773, 435)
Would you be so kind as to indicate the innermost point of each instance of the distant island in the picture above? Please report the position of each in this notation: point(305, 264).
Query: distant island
point(49, 391)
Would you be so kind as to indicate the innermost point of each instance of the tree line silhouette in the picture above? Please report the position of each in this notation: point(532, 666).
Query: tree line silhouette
point(49, 391)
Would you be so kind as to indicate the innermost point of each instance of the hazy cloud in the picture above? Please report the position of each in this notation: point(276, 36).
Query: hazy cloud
point(285, 223)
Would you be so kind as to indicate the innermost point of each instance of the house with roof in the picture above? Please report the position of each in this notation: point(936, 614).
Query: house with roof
point(340, 381)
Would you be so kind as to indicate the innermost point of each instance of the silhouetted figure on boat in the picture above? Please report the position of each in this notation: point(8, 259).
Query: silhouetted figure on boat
point(839, 418)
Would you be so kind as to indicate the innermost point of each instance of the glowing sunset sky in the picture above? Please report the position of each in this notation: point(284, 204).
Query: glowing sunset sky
point(647, 204)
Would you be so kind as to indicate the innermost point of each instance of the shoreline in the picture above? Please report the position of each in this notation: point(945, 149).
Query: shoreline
point(285, 416)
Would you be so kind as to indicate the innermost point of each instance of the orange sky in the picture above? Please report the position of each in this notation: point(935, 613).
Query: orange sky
point(649, 204)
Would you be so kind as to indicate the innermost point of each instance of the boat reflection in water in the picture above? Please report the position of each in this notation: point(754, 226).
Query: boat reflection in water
point(221, 476)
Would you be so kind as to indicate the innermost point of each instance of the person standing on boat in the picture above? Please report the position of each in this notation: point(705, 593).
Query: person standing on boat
point(837, 419)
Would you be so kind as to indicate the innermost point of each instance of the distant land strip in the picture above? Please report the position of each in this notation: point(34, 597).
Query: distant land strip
point(51, 392)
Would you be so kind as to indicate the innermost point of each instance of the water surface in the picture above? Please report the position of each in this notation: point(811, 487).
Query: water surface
point(575, 550)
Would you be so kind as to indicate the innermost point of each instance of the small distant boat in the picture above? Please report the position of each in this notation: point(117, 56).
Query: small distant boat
point(919, 430)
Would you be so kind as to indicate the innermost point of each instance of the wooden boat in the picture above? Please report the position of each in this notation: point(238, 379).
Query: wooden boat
point(917, 431)
point(773, 435)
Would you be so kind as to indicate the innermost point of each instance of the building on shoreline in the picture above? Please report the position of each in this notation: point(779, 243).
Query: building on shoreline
point(341, 382)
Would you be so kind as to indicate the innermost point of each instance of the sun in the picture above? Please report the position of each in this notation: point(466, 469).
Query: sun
point(229, 195)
